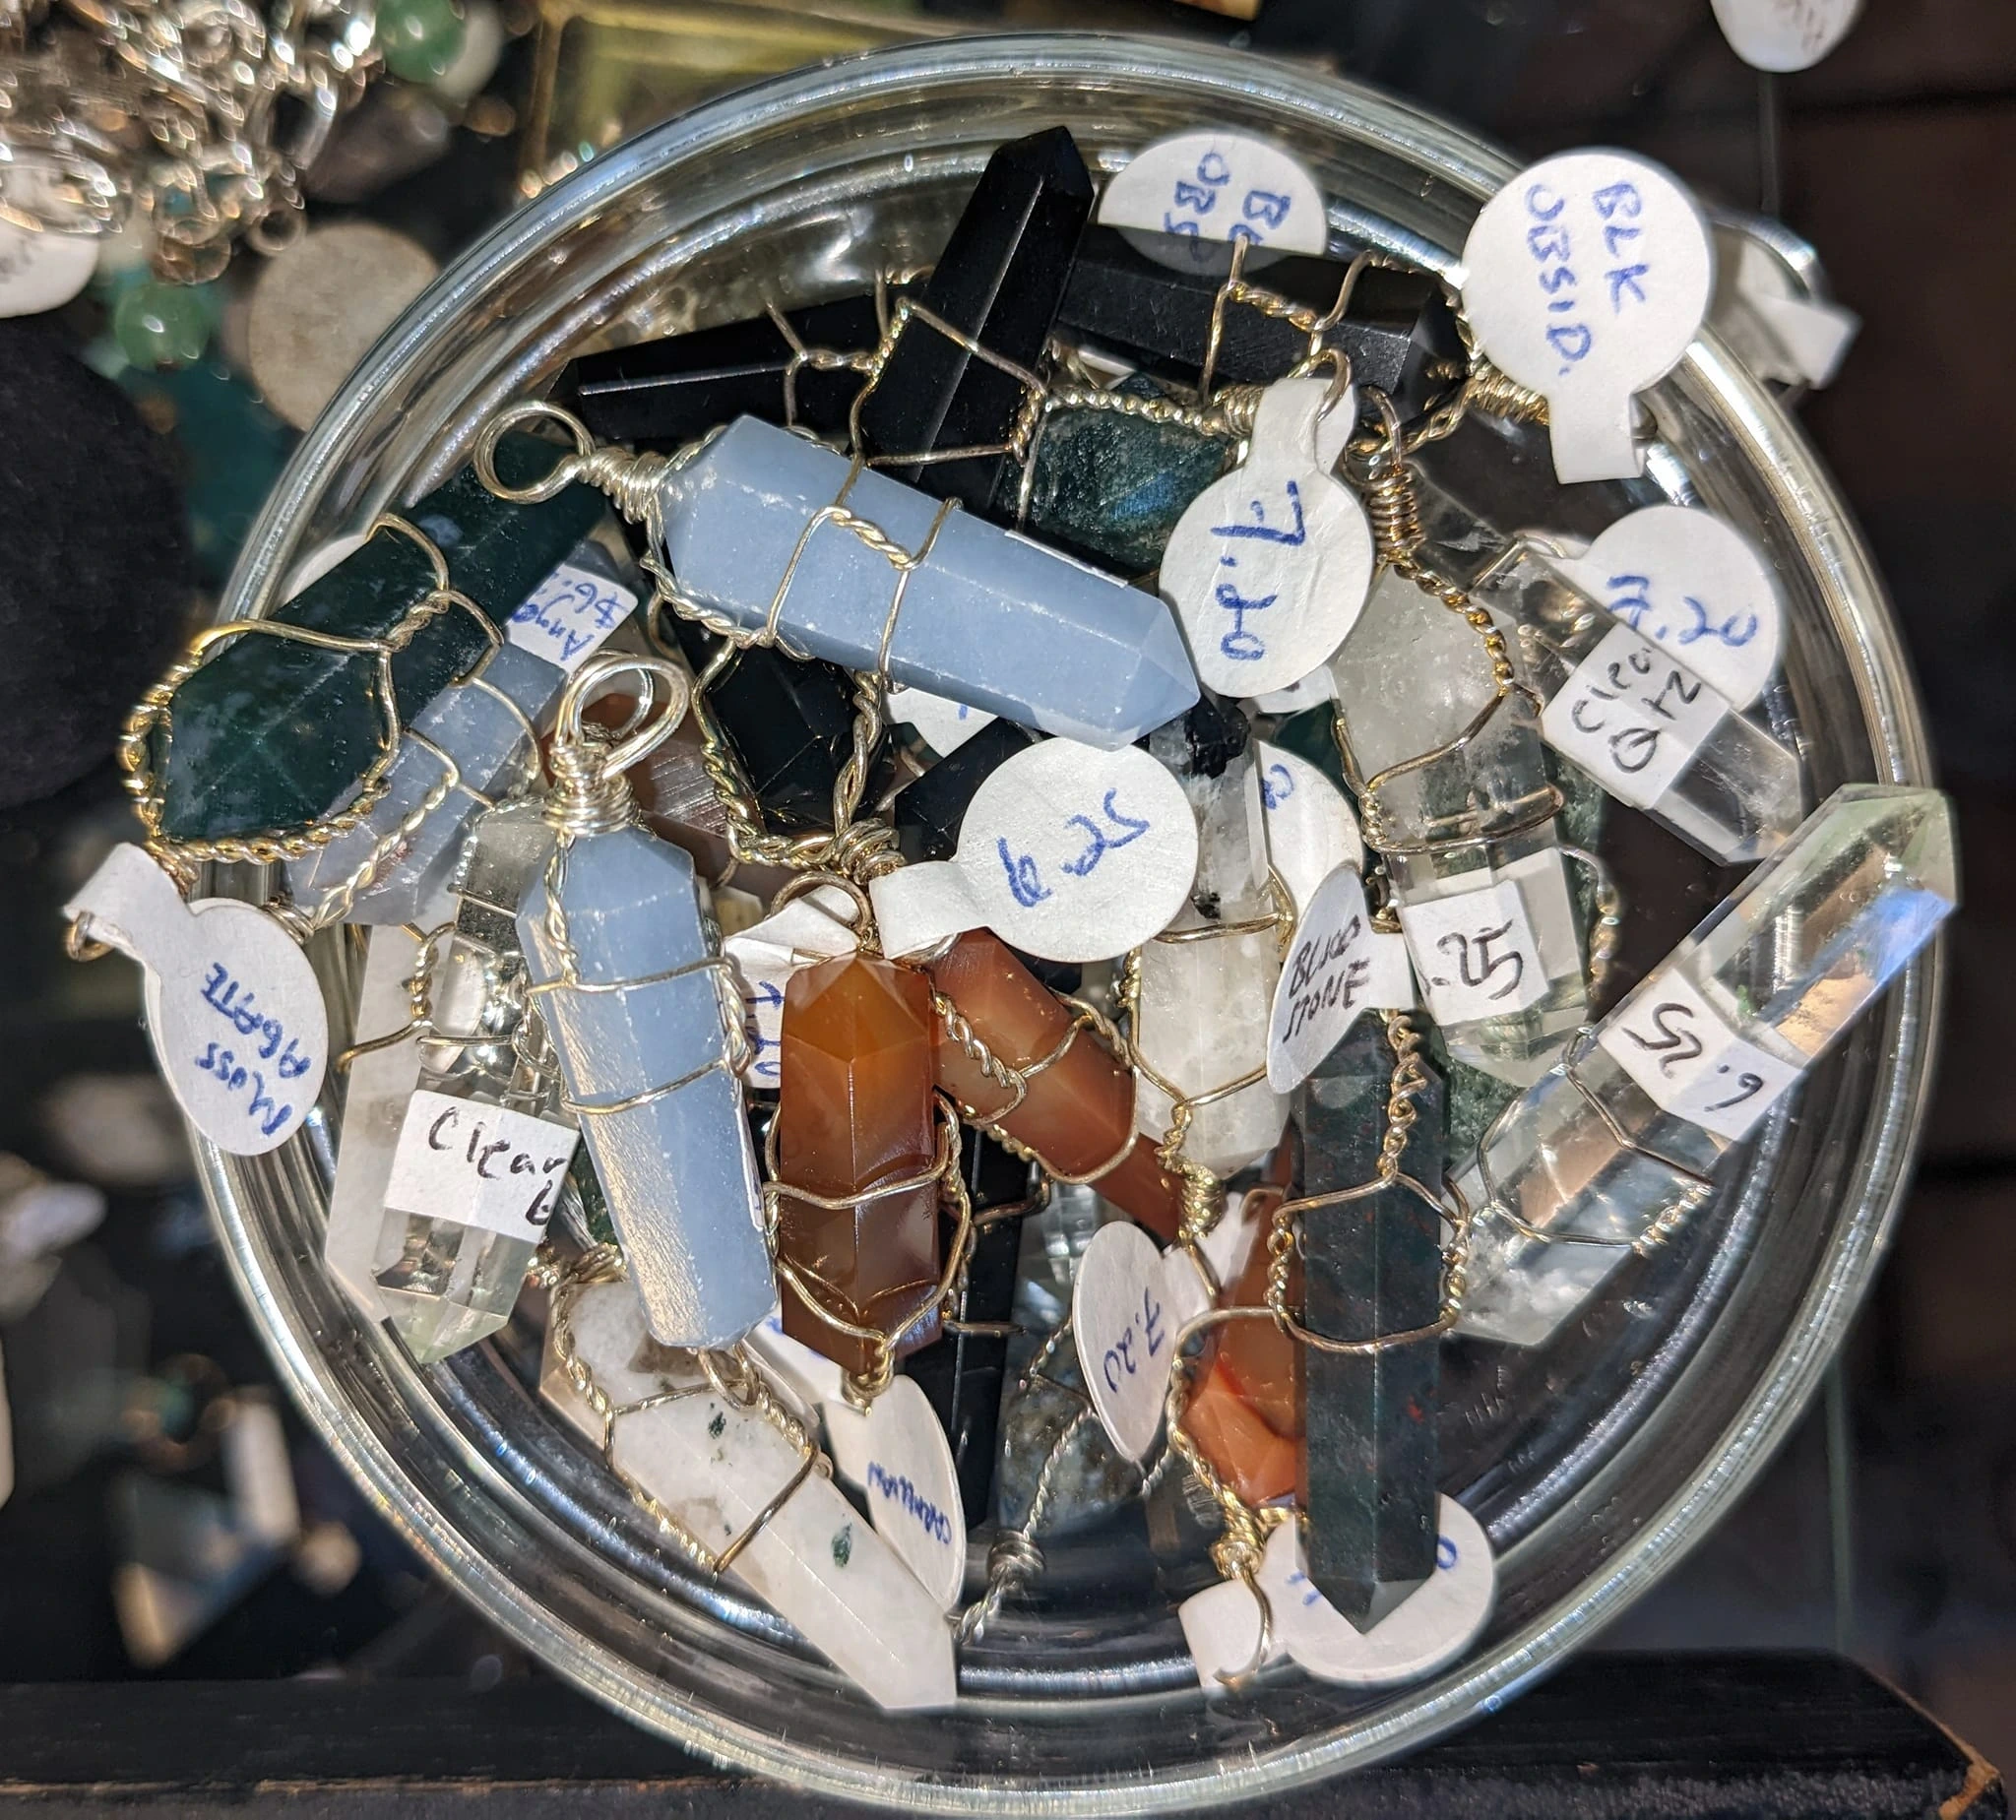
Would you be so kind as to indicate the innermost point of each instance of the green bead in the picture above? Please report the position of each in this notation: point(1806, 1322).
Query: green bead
point(163, 325)
point(419, 38)
point(1111, 485)
point(271, 733)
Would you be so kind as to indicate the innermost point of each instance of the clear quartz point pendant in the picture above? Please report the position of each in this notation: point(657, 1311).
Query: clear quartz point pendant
point(1625, 710)
point(450, 1284)
point(1466, 827)
point(1624, 1139)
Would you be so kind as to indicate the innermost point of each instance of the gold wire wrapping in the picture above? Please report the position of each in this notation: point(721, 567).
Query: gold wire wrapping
point(1014, 1080)
point(1238, 1550)
point(1378, 464)
point(1699, 1186)
point(868, 1384)
point(732, 1375)
point(145, 742)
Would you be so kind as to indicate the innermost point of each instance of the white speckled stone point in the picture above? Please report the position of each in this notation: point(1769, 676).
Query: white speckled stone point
point(815, 1561)
point(1205, 1004)
point(677, 1169)
point(988, 618)
point(1692, 1059)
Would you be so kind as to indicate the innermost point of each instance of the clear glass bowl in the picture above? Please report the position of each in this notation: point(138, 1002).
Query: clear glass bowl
point(1592, 1461)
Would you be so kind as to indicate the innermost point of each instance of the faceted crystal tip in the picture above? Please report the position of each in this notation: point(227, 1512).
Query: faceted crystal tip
point(1050, 157)
point(1915, 826)
point(1163, 686)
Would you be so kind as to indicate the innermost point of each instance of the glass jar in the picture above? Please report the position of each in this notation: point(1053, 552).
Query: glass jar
point(1593, 1463)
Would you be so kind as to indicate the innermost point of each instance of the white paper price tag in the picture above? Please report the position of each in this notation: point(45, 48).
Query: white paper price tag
point(1678, 1049)
point(1695, 587)
point(1785, 35)
point(1326, 981)
point(1222, 1631)
point(1770, 322)
point(913, 1487)
point(1066, 851)
point(1310, 828)
point(1475, 953)
point(808, 929)
point(237, 1017)
point(1213, 187)
point(480, 1165)
point(567, 617)
point(42, 271)
point(1585, 278)
point(1434, 1625)
point(1314, 689)
point(1632, 717)
point(809, 1380)
point(944, 726)
point(1126, 1333)
point(1269, 567)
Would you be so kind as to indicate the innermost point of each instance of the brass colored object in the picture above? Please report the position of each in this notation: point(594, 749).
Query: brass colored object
point(603, 69)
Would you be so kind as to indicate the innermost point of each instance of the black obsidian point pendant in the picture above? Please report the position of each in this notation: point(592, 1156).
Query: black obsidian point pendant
point(997, 283)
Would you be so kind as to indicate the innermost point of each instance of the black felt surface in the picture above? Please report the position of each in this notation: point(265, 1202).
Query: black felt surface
point(93, 572)
point(1677, 1737)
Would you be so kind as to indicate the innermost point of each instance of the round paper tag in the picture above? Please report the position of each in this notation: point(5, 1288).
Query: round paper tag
point(1126, 1333)
point(40, 272)
point(1785, 35)
point(1269, 567)
point(237, 1019)
point(1327, 980)
point(1432, 1626)
point(1078, 854)
point(243, 1041)
point(1585, 278)
point(912, 1488)
point(945, 726)
point(1694, 585)
point(1211, 187)
point(1310, 828)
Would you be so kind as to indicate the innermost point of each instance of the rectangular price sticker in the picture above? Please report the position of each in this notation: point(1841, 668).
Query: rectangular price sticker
point(1632, 718)
point(1677, 1048)
point(568, 615)
point(480, 1165)
point(1475, 953)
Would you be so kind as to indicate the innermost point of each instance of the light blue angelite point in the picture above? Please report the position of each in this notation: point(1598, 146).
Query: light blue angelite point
point(484, 738)
point(678, 1169)
point(990, 617)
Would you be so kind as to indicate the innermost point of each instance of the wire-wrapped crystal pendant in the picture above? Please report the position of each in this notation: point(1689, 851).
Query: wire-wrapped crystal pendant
point(446, 1283)
point(1622, 1139)
point(856, 1150)
point(648, 1028)
point(1204, 987)
point(280, 718)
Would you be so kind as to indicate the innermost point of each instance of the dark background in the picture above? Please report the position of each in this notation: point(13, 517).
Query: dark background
point(1887, 1527)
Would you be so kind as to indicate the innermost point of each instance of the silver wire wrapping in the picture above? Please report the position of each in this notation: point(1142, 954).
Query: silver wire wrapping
point(732, 1375)
point(195, 122)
